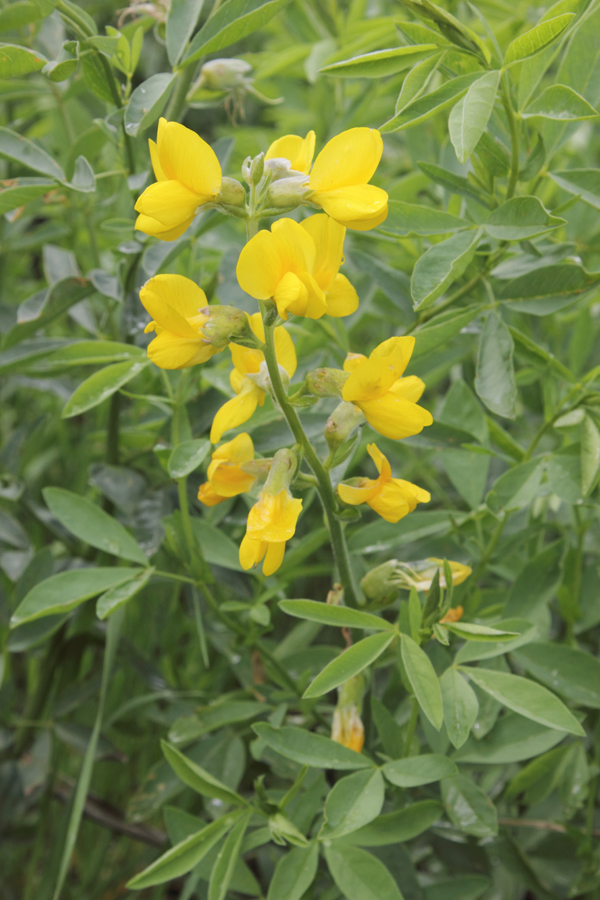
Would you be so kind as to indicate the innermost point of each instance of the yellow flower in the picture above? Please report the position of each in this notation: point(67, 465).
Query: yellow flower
point(226, 478)
point(248, 362)
point(388, 401)
point(271, 522)
point(298, 151)
point(174, 302)
point(347, 728)
point(340, 176)
point(188, 174)
point(391, 498)
point(453, 615)
point(297, 265)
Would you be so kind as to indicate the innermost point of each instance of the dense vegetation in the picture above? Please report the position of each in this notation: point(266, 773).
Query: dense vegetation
point(156, 690)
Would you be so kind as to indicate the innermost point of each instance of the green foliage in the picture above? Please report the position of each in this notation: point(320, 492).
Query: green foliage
point(166, 717)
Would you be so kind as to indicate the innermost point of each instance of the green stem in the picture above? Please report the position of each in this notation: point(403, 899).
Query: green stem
point(412, 724)
point(514, 137)
point(112, 433)
point(177, 104)
point(324, 486)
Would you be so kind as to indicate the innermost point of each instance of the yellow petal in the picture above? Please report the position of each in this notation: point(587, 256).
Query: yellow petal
point(257, 326)
point(260, 266)
point(328, 237)
point(299, 151)
point(239, 450)
point(158, 172)
point(285, 350)
point(165, 293)
point(381, 461)
point(170, 202)
point(229, 480)
point(251, 552)
point(342, 299)
point(184, 156)
point(413, 493)
point(400, 347)
point(369, 380)
point(368, 222)
point(394, 417)
point(246, 360)
point(296, 246)
point(274, 557)
point(170, 351)
point(355, 494)
point(354, 204)
point(153, 227)
point(236, 411)
point(353, 360)
point(274, 516)
point(411, 388)
point(290, 292)
point(207, 495)
point(390, 503)
point(349, 158)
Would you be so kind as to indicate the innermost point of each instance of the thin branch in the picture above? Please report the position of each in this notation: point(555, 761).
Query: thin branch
point(539, 824)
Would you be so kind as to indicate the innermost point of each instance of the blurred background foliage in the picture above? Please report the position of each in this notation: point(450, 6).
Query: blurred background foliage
point(511, 360)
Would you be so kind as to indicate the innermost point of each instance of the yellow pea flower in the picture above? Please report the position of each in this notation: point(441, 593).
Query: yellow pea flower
point(174, 302)
point(298, 151)
point(298, 266)
point(391, 498)
point(388, 401)
point(340, 176)
point(226, 478)
point(454, 614)
point(347, 727)
point(187, 173)
point(248, 362)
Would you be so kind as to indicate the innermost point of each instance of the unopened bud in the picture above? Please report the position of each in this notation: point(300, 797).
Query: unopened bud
point(232, 193)
point(347, 727)
point(227, 325)
point(380, 585)
point(341, 423)
point(283, 468)
point(287, 193)
point(253, 169)
point(283, 831)
point(454, 614)
point(223, 74)
point(326, 382)
point(278, 167)
point(383, 581)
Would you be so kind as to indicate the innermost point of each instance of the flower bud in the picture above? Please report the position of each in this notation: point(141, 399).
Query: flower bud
point(380, 584)
point(347, 727)
point(341, 423)
point(223, 74)
point(226, 325)
point(283, 469)
point(326, 382)
point(253, 169)
point(278, 167)
point(287, 193)
point(283, 831)
point(232, 193)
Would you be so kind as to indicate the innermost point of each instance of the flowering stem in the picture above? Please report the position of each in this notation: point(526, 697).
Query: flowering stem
point(324, 486)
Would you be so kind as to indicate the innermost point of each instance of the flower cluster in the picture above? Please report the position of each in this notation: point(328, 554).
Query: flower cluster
point(291, 269)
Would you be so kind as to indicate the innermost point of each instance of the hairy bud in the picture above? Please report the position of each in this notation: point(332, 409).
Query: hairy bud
point(227, 325)
point(287, 193)
point(223, 74)
point(232, 193)
point(326, 382)
point(341, 423)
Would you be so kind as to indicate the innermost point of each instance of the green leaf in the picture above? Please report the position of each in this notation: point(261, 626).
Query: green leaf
point(537, 38)
point(91, 353)
point(429, 105)
point(380, 63)
point(536, 583)
point(116, 597)
point(476, 650)
point(397, 827)
point(459, 887)
point(454, 30)
point(63, 592)
point(217, 547)
point(60, 297)
point(294, 873)
point(512, 739)
point(471, 632)
point(353, 802)
point(19, 14)
point(456, 184)
point(198, 778)
point(181, 21)
point(102, 385)
point(582, 182)
point(468, 807)
point(359, 875)
point(93, 525)
point(590, 455)
point(423, 680)
point(495, 379)
point(187, 456)
point(441, 329)
point(16, 61)
point(147, 102)
point(440, 266)
point(574, 673)
point(417, 80)
point(310, 749)
point(530, 345)
point(408, 219)
point(83, 179)
point(521, 219)
point(210, 718)
point(349, 663)
point(96, 77)
point(343, 616)
point(25, 152)
point(561, 103)
point(234, 20)
point(460, 706)
point(19, 191)
point(526, 698)
point(417, 770)
point(469, 118)
point(222, 872)
point(183, 856)
point(390, 733)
